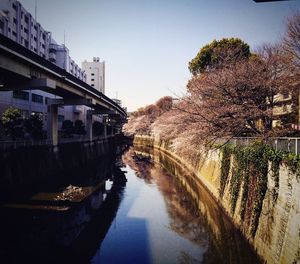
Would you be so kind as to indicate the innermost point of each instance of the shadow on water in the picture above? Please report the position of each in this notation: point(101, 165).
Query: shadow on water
point(127, 241)
point(93, 215)
point(65, 222)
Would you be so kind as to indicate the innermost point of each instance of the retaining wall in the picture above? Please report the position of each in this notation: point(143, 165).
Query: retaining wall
point(277, 236)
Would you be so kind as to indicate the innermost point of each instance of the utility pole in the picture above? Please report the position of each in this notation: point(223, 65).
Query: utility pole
point(35, 11)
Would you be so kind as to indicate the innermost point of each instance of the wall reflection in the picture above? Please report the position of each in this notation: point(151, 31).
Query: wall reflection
point(193, 212)
point(60, 223)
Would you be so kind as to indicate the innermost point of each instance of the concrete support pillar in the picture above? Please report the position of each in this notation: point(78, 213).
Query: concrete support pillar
point(104, 130)
point(53, 123)
point(89, 125)
point(104, 122)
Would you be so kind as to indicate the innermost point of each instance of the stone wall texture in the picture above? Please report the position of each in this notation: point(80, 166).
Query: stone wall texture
point(277, 238)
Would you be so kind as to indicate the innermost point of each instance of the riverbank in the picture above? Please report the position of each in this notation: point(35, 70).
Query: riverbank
point(28, 169)
point(262, 203)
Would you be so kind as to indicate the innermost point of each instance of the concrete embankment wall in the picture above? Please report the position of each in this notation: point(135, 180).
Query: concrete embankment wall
point(29, 167)
point(274, 211)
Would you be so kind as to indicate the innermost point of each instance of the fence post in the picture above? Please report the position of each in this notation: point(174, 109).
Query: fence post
point(276, 144)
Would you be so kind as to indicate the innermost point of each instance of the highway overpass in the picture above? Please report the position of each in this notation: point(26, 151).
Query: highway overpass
point(22, 69)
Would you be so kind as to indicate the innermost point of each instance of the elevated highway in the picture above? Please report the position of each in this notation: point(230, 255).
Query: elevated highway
point(22, 69)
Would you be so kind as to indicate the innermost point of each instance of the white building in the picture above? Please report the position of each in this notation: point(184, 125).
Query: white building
point(95, 73)
point(19, 25)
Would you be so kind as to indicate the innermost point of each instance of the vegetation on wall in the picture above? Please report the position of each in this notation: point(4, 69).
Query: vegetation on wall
point(248, 168)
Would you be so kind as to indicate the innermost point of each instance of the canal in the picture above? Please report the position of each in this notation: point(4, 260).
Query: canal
point(128, 210)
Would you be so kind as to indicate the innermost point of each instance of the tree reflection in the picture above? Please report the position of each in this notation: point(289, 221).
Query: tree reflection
point(193, 212)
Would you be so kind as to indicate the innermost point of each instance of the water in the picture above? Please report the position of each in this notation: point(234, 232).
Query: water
point(150, 218)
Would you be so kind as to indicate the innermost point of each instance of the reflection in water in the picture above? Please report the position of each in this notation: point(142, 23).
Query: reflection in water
point(64, 223)
point(192, 212)
point(94, 218)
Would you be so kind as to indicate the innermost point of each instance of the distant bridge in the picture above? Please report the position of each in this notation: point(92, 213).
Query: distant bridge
point(22, 69)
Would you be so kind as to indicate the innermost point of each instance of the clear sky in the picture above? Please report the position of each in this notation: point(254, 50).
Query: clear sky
point(147, 44)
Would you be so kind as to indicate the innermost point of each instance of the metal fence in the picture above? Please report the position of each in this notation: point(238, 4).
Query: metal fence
point(23, 143)
point(285, 144)
point(13, 144)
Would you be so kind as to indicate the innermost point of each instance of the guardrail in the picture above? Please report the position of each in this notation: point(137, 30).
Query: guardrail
point(286, 144)
point(13, 144)
point(23, 143)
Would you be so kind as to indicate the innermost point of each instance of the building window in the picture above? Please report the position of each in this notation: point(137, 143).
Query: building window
point(1, 24)
point(25, 30)
point(92, 74)
point(35, 50)
point(14, 33)
point(26, 43)
point(22, 95)
point(37, 98)
point(35, 27)
point(34, 38)
point(92, 85)
point(15, 20)
point(14, 7)
point(26, 19)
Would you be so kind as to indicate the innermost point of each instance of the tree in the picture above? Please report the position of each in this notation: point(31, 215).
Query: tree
point(292, 37)
point(34, 126)
point(79, 128)
point(216, 53)
point(12, 122)
point(67, 128)
point(240, 97)
point(165, 103)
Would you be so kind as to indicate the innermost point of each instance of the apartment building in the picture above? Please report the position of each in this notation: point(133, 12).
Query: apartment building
point(20, 26)
point(286, 111)
point(95, 73)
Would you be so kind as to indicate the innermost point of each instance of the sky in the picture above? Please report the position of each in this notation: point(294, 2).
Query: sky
point(147, 44)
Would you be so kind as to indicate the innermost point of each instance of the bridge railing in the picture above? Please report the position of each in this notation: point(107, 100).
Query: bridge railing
point(286, 144)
